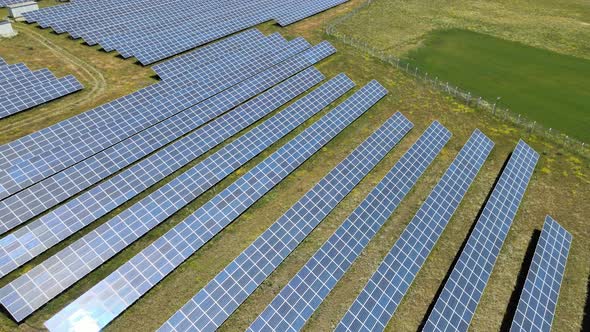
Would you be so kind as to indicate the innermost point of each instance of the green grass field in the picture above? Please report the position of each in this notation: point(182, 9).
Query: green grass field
point(560, 186)
point(542, 85)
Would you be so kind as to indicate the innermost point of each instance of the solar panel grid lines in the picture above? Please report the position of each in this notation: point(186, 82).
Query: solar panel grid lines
point(27, 79)
point(26, 173)
point(35, 238)
point(51, 191)
point(304, 293)
point(110, 118)
point(8, 72)
point(75, 261)
point(218, 49)
point(4, 3)
point(379, 299)
point(133, 279)
point(458, 300)
point(222, 295)
point(22, 95)
point(538, 300)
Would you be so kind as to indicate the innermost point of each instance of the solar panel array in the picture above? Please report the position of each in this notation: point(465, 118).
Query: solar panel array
point(151, 30)
point(39, 235)
point(538, 300)
point(382, 294)
point(222, 295)
point(22, 88)
point(219, 76)
point(297, 301)
point(112, 295)
point(458, 300)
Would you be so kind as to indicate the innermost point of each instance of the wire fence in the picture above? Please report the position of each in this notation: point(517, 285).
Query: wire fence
point(477, 102)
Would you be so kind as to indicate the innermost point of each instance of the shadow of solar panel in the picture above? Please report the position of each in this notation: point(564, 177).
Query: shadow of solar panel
point(80, 258)
point(458, 300)
point(38, 198)
point(111, 296)
point(26, 173)
point(222, 295)
point(36, 237)
point(304, 293)
point(377, 302)
point(538, 300)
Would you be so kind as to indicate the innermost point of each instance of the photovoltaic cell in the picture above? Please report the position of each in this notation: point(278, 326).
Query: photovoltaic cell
point(222, 295)
point(110, 297)
point(297, 301)
point(458, 300)
point(36, 199)
point(538, 300)
point(381, 296)
point(70, 264)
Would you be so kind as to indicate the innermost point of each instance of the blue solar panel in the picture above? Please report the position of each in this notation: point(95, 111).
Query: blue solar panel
point(53, 190)
point(8, 72)
point(381, 296)
point(222, 295)
point(112, 295)
point(538, 300)
point(36, 237)
point(297, 301)
point(70, 264)
point(456, 304)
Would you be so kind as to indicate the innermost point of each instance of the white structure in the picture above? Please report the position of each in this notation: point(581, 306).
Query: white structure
point(16, 10)
point(6, 29)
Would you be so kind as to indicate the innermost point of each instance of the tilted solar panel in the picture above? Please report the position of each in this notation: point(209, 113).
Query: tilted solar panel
point(384, 291)
point(36, 237)
point(538, 300)
point(304, 293)
point(8, 72)
point(458, 300)
point(110, 297)
point(221, 296)
point(80, 258)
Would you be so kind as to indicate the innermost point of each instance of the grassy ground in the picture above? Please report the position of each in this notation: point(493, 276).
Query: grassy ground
point(555, 92)
point(560, 187)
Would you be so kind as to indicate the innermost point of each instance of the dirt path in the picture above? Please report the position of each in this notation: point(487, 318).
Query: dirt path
point(86, 71)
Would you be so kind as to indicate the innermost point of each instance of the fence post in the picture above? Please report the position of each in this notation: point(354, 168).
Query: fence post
point(468, 98)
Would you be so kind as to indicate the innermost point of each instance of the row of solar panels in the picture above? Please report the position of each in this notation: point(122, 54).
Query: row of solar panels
point(271, 72)
point(22, 88)
point(154, 30)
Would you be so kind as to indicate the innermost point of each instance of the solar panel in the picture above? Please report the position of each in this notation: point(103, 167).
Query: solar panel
point(2, 62)
point(29, 241)
point(8, 72)
point(458, 300)
point(222, 295)
point(538, 300)
point(21, 175)
point(78, 259)
point(112, 295)
point(125, 116)
point(297, 301)
point(310, 8)
point(384, 291)
point(25, 91)
point(30, 202)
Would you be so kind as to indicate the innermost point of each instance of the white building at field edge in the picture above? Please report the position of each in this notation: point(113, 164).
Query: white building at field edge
point(16, 10)
point(6, 29)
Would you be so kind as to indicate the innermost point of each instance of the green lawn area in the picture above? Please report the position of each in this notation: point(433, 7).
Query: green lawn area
point(542, 85)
